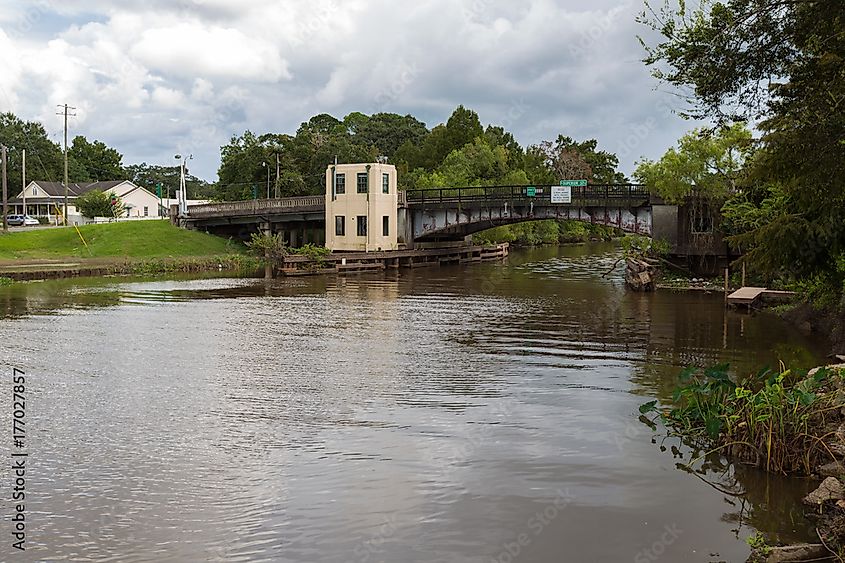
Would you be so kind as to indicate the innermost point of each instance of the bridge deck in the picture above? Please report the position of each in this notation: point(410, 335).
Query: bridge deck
point(616, 195)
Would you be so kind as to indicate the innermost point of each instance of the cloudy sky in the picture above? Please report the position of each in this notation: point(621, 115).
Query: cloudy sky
point(154, 78)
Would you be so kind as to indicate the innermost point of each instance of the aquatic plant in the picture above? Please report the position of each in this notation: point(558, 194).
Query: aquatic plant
point(782, 422)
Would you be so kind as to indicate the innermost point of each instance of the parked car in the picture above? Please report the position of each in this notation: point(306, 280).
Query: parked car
point(15, 220)
point(29, 221)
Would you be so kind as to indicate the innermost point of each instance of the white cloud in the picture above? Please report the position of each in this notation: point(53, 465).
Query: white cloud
point(209, 51)
point(156, 77)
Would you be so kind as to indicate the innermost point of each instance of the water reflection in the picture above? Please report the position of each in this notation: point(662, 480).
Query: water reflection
point(427, 415)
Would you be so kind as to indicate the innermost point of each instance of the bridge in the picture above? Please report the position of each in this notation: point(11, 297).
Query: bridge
point(454, 213)
point(436, 214)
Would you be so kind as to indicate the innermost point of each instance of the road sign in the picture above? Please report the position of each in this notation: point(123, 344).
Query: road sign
point(158, 190)
point(561, 194)
point(574, 183)
point(531, 192)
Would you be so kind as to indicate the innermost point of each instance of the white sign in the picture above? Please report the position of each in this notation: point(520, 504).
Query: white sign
point(561, 194)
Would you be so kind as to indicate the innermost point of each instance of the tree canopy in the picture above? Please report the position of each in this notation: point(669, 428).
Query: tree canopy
point(782, 61)
point(459, 152)
point(705, 164)
point(99, 161)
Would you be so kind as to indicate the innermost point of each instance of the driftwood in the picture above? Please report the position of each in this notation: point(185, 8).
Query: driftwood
point(641, 274)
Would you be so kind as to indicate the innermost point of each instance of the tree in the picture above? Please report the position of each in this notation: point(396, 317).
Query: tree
point(705, 165)
point(476, 164)
point(98, 161)
point(149, 176)
point(462, 128)
point(386, 131)
point(241, 167)
point(564, 159)
point(44, 157)
point(782, 60)
point(571, 160)
point(99, 204)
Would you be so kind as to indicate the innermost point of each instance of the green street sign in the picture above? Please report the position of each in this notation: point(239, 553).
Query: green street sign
point(531, 192)
point(158, 190)
point(574, 183)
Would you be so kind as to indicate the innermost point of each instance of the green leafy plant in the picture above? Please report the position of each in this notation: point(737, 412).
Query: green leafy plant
point(773, 420)
point(644, 246)
point(264, 244)
point(100, 204)
point(317, 254)
point(758, 543)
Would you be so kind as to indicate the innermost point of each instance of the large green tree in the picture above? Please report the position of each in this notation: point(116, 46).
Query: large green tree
point(149, 176)
point(44, 157)
point(99, 161)
point(386, 131)
point(705, 164)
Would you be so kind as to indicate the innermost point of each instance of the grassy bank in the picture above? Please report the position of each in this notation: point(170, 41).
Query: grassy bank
point(141, 240)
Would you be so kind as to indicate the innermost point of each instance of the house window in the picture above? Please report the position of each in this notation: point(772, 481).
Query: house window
point(385, 226)
point(146, 211)
point(363, 183)
point(34, 191)
point(340, 226)
point(340, 184)
point(385, 183)
point(362, 225)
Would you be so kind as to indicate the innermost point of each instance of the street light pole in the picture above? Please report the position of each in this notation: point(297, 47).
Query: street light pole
point(278, 172)
point(265, 165)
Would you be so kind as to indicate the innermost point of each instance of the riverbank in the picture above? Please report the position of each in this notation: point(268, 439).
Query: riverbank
point(782, 422)
point(827, 324)
point(143, 247)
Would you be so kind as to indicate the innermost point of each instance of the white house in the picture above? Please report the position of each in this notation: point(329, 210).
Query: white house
point(46, 199)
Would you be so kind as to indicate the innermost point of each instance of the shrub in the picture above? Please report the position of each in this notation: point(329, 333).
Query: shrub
point(775, 421)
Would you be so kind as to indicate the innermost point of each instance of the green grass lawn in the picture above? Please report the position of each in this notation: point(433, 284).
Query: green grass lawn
point(137, 240)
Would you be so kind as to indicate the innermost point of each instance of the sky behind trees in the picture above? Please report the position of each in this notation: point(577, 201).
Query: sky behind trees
point(157, 78)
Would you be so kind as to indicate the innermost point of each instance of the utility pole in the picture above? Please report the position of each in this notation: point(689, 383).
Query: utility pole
point(5, 196)
point(23, 181)
point(65, 112)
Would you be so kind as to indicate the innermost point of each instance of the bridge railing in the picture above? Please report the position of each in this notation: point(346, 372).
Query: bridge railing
point(590, 193)
point(255, 206)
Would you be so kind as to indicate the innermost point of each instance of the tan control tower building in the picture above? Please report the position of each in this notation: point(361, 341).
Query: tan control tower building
point(361, 207)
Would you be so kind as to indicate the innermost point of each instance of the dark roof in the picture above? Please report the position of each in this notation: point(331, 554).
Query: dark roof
point(58, 189)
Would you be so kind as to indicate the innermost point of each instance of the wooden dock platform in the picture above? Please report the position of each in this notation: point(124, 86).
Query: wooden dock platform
point(360, 262)
point(750, 297)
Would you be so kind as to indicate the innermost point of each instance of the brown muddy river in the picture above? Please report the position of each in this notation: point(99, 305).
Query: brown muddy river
point(482, 414)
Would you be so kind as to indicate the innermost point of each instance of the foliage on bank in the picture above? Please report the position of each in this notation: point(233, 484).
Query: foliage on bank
point(274, 247)
point(779, 421)
point(536, 233)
